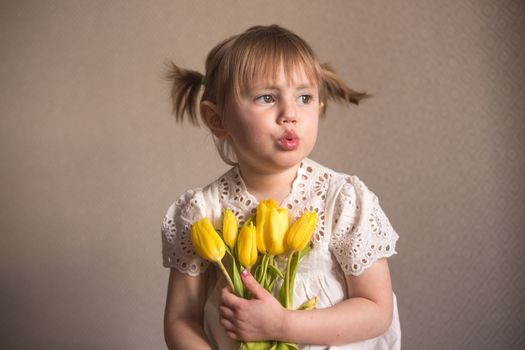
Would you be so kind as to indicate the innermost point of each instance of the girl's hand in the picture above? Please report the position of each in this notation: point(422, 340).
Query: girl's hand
point(260, 318)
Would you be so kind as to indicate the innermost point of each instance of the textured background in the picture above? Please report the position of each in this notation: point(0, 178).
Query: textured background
point(91, 158)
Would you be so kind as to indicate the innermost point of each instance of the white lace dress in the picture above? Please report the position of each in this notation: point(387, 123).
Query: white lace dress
point(352, 232)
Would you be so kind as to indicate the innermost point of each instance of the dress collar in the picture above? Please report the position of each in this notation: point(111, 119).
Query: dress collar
point(297, 183)
point(234, 195)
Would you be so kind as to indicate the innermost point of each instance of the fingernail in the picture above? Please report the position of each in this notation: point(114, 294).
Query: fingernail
point(245, 273)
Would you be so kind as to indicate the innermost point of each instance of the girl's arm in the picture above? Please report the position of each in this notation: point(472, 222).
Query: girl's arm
point(183, 323)
point(366, 314)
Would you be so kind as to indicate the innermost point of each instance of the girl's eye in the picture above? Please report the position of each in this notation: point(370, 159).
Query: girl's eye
point(305, 99)
point(265, 99)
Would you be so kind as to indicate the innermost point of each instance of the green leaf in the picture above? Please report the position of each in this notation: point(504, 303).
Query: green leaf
point(305, 251)
point(257, 345)
point(272, 274)
point(228, 250)
point(236, 278)
point(265, 279)
point(273, 347)
point(282, 295)
point(257, 274)
point(286, 346)
point(295, 258)
point(275, 271)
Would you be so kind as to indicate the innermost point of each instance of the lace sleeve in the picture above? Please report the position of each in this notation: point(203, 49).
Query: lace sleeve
point(177, 250)
point(361, 231)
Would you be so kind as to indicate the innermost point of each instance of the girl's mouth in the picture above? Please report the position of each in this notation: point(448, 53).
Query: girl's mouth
point(289, 141)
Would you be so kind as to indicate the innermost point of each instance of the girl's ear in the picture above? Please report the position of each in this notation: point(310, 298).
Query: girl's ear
point(322, 108)
point(212, 118)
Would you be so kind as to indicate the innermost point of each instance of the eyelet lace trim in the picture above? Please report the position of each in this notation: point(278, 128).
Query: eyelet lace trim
point(234, 196)
point(178, 251)
point(362, 232)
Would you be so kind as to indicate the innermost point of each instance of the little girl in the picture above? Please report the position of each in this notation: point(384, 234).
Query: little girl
point(263, 93)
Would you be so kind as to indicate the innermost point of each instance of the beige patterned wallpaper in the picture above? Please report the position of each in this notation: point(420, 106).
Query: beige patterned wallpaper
point(91, 158)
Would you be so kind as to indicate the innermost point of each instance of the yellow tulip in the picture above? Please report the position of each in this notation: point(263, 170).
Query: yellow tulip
point(261, 219)
point(275, 230)
point(229, 228)
point(207, 241)
point(247, 245)
point(271, 223)
point(299, 233)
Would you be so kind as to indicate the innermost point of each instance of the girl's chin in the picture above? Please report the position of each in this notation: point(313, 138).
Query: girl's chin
point(275, 163)
point(277, 159)
point(289, 159)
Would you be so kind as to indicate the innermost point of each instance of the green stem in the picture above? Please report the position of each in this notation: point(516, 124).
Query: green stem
point(287, 282)
point(264, 270)
point(228, 278)
point(270, 279)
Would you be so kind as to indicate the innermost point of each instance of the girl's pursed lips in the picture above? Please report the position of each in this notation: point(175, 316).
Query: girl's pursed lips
point(289, 141)
point(289, 134)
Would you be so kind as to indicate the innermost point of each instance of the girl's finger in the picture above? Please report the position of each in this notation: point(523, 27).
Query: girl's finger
point(228, 326)
point(226, 312)
point(227, 297)
point(258, 292)
point(232, 335)
point(230, 300)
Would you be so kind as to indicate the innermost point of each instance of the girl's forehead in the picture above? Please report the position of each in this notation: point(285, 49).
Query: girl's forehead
point(282, 76)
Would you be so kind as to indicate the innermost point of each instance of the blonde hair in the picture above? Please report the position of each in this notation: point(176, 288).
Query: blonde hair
point(259, 52)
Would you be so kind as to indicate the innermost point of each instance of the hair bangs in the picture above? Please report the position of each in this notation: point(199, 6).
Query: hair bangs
point(260, 58)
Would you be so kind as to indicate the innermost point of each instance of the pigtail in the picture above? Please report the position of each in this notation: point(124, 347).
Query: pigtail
point(186, 85)
point(336, 89)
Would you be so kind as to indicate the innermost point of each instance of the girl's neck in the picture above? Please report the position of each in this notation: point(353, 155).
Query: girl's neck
point(276, 185)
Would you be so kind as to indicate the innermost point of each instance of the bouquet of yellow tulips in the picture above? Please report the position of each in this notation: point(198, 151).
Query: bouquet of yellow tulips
point(256, 245)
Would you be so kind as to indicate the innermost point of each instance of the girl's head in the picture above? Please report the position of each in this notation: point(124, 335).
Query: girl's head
point(236, 64)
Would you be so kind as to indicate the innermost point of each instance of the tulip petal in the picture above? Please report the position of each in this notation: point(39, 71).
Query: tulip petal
point(229, 228)
point(207, 241)
point(247, 245)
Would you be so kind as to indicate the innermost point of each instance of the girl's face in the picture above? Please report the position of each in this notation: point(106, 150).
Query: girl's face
point(273, 125)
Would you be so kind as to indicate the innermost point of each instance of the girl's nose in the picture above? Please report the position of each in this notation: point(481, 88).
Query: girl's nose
point(287, 114)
